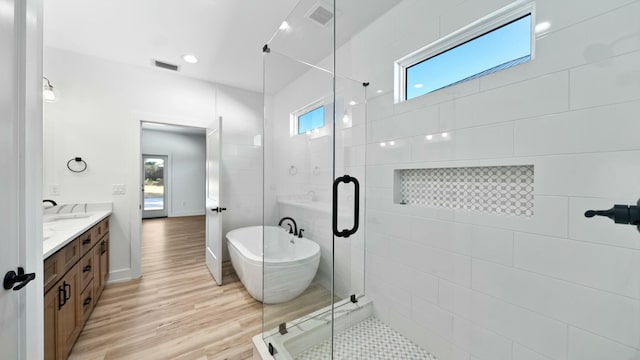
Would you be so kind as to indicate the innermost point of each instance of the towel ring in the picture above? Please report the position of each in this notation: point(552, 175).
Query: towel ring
point(293, 170)
point(77, 165)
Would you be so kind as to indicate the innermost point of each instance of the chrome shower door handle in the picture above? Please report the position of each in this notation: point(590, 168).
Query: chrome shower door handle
point(356, 206)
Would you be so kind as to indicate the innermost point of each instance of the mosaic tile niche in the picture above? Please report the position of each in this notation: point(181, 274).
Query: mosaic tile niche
point(504, 190)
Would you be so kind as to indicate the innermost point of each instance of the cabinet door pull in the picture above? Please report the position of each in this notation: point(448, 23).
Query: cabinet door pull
point(62, 297)
point(86, 268)
point(67, 295)
point(87, 301)
point(86, 241)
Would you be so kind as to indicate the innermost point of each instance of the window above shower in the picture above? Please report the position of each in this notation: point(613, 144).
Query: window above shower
point(496, 42)
point(309, 120)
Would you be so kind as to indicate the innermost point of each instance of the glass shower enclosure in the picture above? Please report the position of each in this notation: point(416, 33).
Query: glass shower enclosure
point(318, 178)
point(453, 225)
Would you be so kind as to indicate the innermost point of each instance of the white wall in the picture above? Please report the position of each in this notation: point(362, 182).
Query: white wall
point(473, 286)
point(241, 186)
point(186, 175)
point(101, 104)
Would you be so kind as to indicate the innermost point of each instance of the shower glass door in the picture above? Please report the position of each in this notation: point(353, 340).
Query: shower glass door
point(315, 151)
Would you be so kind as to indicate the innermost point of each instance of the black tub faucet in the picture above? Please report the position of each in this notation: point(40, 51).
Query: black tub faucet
point(295, 226)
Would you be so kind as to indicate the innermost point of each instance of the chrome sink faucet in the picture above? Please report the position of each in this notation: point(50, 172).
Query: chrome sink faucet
point(295, 226)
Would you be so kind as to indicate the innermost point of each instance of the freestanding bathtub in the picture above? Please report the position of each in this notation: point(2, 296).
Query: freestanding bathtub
point(290, 262)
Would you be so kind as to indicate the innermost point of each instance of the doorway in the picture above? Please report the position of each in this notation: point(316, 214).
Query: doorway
point(154, 189)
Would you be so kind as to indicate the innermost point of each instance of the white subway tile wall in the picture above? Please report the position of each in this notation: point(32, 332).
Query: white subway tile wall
point(552, 286)
point(481, 286)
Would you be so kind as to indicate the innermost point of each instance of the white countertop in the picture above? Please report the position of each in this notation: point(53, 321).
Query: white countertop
point(59, 229)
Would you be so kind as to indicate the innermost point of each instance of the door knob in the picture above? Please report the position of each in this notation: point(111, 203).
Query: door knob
point(620, 214)
point(219, 209)
point(11, 278)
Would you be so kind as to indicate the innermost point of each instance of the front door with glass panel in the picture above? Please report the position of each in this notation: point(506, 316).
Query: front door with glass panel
point(154, 194)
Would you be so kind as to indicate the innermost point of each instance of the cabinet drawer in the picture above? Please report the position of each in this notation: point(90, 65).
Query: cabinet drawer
point(86, 269)
point(69, 255)
point(85, 304)
point(86, 242)
point(53, 270)
point(100, 229)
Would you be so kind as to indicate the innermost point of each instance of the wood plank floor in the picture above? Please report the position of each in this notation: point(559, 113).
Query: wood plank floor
point(175, 311)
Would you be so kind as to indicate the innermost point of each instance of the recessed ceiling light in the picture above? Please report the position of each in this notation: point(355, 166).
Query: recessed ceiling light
point(191, 59)
point(284, 26)
point(352, 102)
point(543, 26)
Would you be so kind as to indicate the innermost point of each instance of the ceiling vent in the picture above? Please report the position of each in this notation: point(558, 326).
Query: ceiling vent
point(321, 13)
point(165, 65)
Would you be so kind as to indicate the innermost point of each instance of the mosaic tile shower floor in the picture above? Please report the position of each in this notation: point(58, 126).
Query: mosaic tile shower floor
point(368, 340)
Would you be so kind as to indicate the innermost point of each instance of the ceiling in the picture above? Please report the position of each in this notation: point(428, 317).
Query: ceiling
point(225, 35)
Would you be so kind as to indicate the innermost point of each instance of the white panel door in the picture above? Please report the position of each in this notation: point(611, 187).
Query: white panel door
point(213, 256)
point(14, 135)
point(9, 148)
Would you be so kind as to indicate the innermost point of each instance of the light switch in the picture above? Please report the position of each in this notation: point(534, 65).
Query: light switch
point(117, 189)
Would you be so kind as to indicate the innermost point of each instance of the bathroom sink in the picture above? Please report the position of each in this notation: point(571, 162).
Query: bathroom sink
point(59, 217)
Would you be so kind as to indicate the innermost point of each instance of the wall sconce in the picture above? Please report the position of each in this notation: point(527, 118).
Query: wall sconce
point(47, 90)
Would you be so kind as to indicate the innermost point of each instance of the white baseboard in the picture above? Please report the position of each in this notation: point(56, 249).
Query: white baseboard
point(117, 276)
point(191, 213)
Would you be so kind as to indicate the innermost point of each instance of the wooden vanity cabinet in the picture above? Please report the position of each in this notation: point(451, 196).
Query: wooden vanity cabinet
point(50, 331)
point(53, 270)
point(101, 257)
point(67, 320)
point(101, 270)
point(71, 294)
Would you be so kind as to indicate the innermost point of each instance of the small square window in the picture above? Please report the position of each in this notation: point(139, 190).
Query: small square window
point(311, 120)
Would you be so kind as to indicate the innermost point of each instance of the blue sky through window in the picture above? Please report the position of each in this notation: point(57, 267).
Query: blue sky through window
point(313, 119)
point(497, 47)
